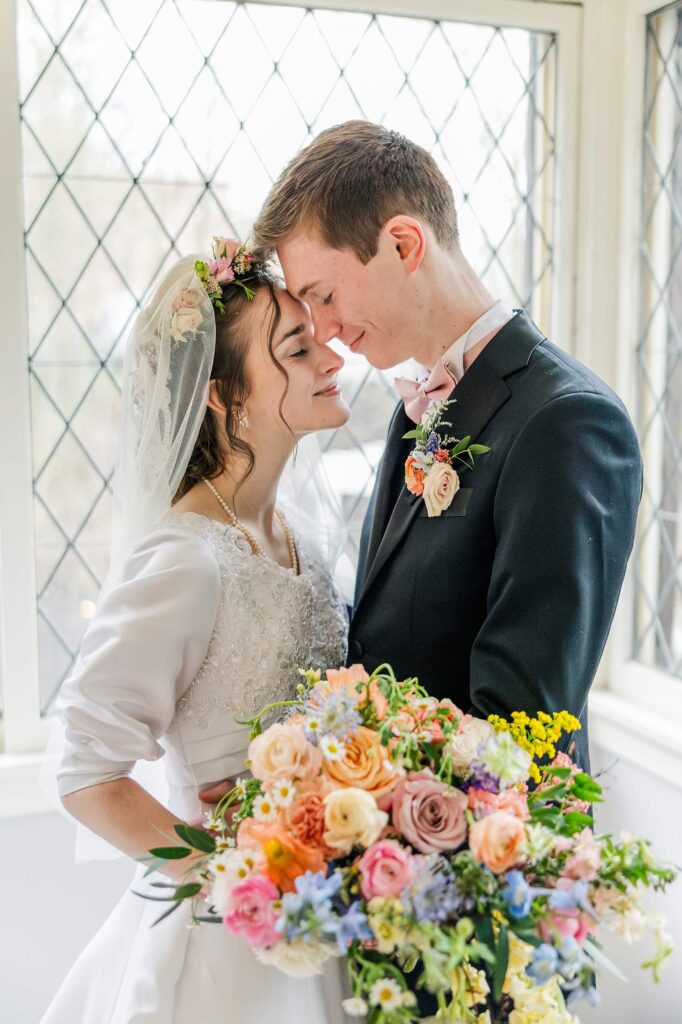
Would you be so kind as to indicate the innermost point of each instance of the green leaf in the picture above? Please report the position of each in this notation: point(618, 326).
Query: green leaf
point(171, 852)
point(479, 449)
point(196, 838)
point(411, 435)
point(185, 892)
point(502, 962)
point(461, 446)
point(600, 958)
point(483, 927)
point(574, 821)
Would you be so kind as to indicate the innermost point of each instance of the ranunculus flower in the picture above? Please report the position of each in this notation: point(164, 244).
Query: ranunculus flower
point(285, 857)
point(297, 958)
point(429, 814)
point(283, 751)
point(414, 476)
point(251, 911)
point(352, 818)
point(585, 861)
point(184, 321)
point(440, 487)
point(364, 765)
point(386, 868)
point(498, 841)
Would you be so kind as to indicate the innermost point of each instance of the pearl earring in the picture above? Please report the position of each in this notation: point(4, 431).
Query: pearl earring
point(242, 419)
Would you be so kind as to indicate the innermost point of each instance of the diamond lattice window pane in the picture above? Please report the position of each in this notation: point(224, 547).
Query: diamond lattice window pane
point(150, 126)
point(658, 579)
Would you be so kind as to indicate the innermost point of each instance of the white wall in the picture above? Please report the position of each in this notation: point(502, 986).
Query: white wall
point(50, 907)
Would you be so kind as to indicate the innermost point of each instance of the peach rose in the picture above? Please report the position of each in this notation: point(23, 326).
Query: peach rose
point(440, 487)
point(498, 841)
point(348, 679)
point(285, 857)
point(364, 765)
point(414, 476)
point(283, 751)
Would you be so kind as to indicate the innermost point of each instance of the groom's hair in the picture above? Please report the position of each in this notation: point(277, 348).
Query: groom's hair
point(348, 182)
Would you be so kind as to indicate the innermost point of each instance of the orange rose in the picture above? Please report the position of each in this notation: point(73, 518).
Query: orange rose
point(498, 841)
point(364, 765)
point(414, 476)
point(285, 856)
point(304, 817)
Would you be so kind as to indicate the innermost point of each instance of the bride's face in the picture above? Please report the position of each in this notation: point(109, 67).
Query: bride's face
point(309, 394)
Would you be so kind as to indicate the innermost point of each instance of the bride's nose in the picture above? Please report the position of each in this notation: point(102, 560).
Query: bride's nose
point(330, 361)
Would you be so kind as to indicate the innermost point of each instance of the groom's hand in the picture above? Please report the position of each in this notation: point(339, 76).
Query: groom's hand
point(213, 794)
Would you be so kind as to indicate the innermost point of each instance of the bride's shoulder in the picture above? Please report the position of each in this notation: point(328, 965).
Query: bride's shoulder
point(176, 549)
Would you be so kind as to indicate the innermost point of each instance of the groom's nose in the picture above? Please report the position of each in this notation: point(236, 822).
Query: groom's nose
point(326, 325)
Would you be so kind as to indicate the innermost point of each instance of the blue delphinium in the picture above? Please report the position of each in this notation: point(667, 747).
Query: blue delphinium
point(518, 894)
point(433, 894)
point(353, 926)
point(570, 899)
point(308, 912)
point(337, 715)
point(544, 964)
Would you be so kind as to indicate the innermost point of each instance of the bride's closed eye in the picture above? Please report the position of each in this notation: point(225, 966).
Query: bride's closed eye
point(327, 301)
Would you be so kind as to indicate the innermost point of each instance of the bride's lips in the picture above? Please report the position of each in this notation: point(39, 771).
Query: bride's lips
point(330, 391)
point(354, 344)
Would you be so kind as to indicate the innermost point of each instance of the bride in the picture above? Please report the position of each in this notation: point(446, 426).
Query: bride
point(214, 600)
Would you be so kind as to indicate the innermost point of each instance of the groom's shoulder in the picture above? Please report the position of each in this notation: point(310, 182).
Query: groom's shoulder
point(552, 373)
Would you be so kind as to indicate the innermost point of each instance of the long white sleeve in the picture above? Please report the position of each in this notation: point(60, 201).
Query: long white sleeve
point(142, 649)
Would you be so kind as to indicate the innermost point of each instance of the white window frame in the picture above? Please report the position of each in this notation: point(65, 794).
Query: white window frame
point(636, 709)
point(23, 733)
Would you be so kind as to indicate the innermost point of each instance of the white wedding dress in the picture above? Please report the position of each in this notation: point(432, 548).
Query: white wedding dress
point(200, 632)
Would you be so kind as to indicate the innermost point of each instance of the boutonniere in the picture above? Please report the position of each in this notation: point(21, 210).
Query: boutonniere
point(429, 469)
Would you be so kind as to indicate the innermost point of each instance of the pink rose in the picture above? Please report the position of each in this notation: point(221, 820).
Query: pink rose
point(498, 841)
point(482, 802)
point(225, 248)
point(386, 868)
point(574, 924)
point(431, 815)
point(585, 861)
point(251, 911)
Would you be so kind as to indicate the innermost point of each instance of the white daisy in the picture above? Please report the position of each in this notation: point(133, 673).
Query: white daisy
point(212, 822)
point(355, 1007)
point(332, 748)
point(264, 808)
point(386, 993)
point(282, 792)
point(240, 786)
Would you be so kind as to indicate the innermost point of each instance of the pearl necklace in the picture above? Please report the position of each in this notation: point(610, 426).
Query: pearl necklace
point(255, 546)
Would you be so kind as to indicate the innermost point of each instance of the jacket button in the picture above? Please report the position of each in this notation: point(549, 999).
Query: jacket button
point(356, 649)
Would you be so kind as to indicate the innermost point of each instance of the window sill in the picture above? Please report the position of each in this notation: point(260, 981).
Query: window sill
point(645, 738)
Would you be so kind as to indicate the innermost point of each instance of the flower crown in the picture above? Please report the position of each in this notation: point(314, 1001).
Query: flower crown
point(232, 264)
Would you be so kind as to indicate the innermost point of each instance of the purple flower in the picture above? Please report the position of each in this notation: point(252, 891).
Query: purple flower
point(433, 895)
point(432, 444)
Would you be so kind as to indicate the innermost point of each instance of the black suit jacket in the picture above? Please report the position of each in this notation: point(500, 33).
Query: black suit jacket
point(505, 601)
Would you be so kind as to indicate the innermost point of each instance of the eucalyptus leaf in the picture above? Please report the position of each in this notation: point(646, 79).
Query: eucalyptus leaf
point(171, 852)
point(167, 913)
point(186, 891)
point(197, 839)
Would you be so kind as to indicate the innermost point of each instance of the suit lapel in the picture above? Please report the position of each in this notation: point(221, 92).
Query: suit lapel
point(479, 395)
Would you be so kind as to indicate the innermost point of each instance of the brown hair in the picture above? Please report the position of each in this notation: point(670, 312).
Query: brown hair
point(348, 182)
point(209, 457)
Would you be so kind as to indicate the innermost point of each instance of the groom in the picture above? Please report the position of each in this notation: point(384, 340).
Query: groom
point(504, 602)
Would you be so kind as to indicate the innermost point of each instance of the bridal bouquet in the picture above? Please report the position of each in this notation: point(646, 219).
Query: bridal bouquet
point(389, 827)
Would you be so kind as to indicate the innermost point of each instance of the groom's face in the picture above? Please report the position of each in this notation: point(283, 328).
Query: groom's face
point(363, 305)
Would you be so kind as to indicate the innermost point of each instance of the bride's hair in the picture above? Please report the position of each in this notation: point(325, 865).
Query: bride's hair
point(210, 455)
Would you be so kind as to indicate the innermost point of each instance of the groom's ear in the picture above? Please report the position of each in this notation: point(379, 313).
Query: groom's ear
point(406, 237)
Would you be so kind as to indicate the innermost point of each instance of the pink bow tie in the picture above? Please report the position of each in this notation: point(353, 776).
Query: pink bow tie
point(419, 395)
